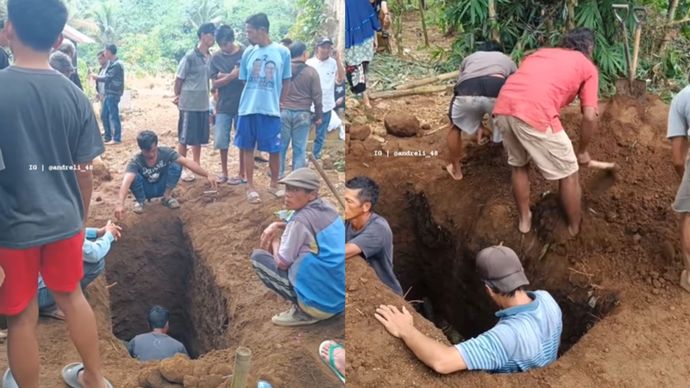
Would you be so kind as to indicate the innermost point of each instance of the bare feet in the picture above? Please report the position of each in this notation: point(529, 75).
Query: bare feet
point(525, 225)
point(685, 280)
point(574, 230)
point(454, 171)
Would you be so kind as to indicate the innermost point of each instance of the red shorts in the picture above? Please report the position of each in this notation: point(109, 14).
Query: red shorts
point(60, 263)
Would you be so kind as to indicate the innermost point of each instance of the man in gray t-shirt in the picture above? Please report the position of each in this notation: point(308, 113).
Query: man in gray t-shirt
point(192, 96)
point(156, 345)
point(368, 234)
point(678, 125)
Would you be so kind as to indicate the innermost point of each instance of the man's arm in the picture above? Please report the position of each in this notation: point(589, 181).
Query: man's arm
point(95, 251)
point(225, 78)
point(283, 91)
point(352, 250)
point(679, 152)
point(589, 125)
point(317, 96)
point(85, 182)
point(192, 165)
point(124, 188)
point(441, 358)
point(295, 236)
point(340, 75)
point(178, 88)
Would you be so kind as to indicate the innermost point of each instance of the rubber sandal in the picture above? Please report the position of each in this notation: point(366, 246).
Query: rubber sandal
point(449, 168)
point(330, 363)
point(70, 375)
point(221, 179)
point(8, 380)
point(278, 192)
point(253, 197)
point(234, 181)
point(260, 159)
point(684, 281)
point(170, 203)
point(53, 314)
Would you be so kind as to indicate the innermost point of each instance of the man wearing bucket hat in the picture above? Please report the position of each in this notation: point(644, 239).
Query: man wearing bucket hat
point(526, 336)
point(303, 259)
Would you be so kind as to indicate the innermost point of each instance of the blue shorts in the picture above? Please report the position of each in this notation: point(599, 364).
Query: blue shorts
point(224, 124)
point(258, 131)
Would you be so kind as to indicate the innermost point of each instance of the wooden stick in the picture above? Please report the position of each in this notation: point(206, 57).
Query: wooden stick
point(601, 165)
point(328, 181)
point(408, 92)
point(428, 80)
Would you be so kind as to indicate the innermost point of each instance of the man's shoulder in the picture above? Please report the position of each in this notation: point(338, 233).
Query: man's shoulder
point(379, 220)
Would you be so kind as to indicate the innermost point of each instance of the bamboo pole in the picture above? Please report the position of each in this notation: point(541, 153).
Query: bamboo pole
point(408, 92)
point(421, 13)
point(321, 172)
point(493, 24)
point(243, 357)
point(428, 80)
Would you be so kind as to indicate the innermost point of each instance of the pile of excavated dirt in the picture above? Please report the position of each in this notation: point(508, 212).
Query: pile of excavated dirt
point(625, 319)
point(194, 261)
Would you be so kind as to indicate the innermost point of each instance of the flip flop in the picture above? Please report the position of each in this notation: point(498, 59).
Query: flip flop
point(8, 380)
point(330, 363)
point(53, 314)
point(684, 280)
point(253, 197)
point(221, 179)
point(70, 374)
point(449, 168)
point(234, 181)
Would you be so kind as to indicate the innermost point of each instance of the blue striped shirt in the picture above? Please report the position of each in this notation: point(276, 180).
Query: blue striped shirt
point(525, 337)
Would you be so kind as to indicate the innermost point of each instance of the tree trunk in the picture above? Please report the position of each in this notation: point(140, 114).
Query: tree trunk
point(493, 23)
point(428, 80)
point(408, 92)
point(421, 13)
point(570, 22)
point(400, 10)
point(668, 29)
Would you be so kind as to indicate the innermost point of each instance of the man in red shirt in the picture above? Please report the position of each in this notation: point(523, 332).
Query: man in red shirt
point(527, 112)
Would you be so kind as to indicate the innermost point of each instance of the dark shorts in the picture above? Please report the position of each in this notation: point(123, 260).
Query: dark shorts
point(193, 128)
point(258, 131)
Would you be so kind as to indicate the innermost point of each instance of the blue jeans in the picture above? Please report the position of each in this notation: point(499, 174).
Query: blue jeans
point(110, 114)
point(320, 137)
point(143, 189)
point(224, 124)
point(295, 127)
point(91, 272)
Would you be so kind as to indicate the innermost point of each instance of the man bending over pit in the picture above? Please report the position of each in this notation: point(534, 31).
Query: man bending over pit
point(153, 173)
point(526, 336)
point(367, 233)
point(93, 253)
point(678, 125)
point(303, 259)
point(157, 344)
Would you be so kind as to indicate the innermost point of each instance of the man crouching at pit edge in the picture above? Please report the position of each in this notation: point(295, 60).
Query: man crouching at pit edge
point(303, 260)
point(526, 336)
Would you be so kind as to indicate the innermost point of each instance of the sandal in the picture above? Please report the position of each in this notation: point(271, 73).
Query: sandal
point(170, 203)
point(449, 168)
point(8, 380)
point(253, 197)
point(330, 361)
point(70, 374)
point(236, 180)
point(278, 192)
point(54, 313)
point(221, 179)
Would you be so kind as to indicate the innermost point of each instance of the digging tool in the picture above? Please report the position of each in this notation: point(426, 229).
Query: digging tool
point(328, 181)
point(632, 86)
point(602, 165)
point(243, 358)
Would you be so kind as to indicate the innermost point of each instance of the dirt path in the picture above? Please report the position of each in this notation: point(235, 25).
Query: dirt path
point(202, 248)
point(625, 319)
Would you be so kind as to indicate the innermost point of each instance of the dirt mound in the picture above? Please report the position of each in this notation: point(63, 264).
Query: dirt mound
point(613, 282)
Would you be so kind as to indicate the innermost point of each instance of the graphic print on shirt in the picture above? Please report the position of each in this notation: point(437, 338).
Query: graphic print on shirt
point(262, 75)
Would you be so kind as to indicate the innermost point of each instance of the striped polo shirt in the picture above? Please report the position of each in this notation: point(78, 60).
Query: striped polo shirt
point(525, 337)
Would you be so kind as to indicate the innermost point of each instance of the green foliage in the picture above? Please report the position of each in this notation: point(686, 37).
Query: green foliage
point(530, 24)
point(311, 17)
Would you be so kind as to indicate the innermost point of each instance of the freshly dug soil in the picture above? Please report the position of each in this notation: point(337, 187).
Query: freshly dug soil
point(625, 318)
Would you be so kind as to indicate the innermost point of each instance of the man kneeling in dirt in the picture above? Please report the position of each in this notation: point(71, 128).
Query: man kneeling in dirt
point(526, 336)
point(156, 345)
point(303, 260)
point(367, 233)
point(94, 253)
point(153, 173)
point(678, 125)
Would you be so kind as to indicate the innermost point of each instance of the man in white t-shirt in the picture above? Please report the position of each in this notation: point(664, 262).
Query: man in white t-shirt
point(331, 71)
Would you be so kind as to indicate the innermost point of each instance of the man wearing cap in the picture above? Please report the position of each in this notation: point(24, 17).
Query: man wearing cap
point(303, 258)
point(331, 71)
point(526, 336)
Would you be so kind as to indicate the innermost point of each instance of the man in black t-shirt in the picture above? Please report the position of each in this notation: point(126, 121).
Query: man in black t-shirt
point(224, 74)
point(154, 173)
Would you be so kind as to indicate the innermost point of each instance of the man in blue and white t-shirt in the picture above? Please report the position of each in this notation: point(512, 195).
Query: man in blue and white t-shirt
point(526, 336)
point(265, 68)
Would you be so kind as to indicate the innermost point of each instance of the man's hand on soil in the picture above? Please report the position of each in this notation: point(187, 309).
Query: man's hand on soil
point(397, 322)
point(212, 181)
point(119, 212)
